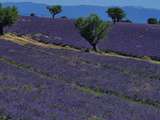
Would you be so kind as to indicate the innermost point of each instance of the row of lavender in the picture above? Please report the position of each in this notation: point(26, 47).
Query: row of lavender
point(27, 96)
point(129, 39)
point(138, 82)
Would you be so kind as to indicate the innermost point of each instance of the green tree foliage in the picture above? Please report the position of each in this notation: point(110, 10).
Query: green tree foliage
point(54, 10)
point(116, 14)
point(92, 28)
point(8, 16)
point(152, 21)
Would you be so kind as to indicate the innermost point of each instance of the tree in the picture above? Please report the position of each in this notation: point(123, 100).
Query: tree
point(54, 10)
point(116, 13)
point(152, 21)
point(92, 28)
point(127, 21)
point(64, 17)
point(32, 14)
point(8, 16)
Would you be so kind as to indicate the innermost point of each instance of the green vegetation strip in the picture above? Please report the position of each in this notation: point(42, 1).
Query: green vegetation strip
point(100, 92)
point(108, 66)
point(86, 89)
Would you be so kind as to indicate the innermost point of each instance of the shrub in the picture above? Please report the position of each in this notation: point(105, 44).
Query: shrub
point(32, 14)
point(64, 17)
point(127, 21)
point(152, 21)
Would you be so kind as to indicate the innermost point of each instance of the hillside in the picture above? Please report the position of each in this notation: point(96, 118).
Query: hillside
point(134, 39)
point(59, 31)
point(137, 40)
point(136, 14)
point(42, 82)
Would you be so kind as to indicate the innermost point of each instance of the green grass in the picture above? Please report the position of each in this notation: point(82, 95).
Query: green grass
point(90, 91)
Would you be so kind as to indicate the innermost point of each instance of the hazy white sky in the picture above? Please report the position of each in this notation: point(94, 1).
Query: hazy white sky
point(143, 3)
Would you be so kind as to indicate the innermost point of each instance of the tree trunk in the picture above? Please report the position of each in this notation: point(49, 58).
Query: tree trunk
point(114, 21)
point(53, 16)
point(1, 30)
point(118, 20)
point(95, 47)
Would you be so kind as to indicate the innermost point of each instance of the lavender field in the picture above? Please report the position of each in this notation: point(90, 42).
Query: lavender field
point(136, 40)
point(48, 71)
point(58, 31)
point(39, 83)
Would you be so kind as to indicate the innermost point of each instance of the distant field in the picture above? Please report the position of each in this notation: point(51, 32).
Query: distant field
point(59, 31)
point(134, 39)
point(38, 83)
point(128, 39)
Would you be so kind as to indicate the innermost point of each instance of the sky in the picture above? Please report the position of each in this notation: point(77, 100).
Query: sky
point(139, 3)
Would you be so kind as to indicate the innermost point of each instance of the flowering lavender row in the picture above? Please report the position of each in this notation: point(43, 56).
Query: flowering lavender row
point(25, 95)
point(58, 31)
point(106, 73)
point(134, 39)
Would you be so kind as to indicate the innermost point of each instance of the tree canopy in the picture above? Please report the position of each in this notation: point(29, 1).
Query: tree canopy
point(92, 28)
point(116, 14)
point(8, 16)
point(54, 10)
